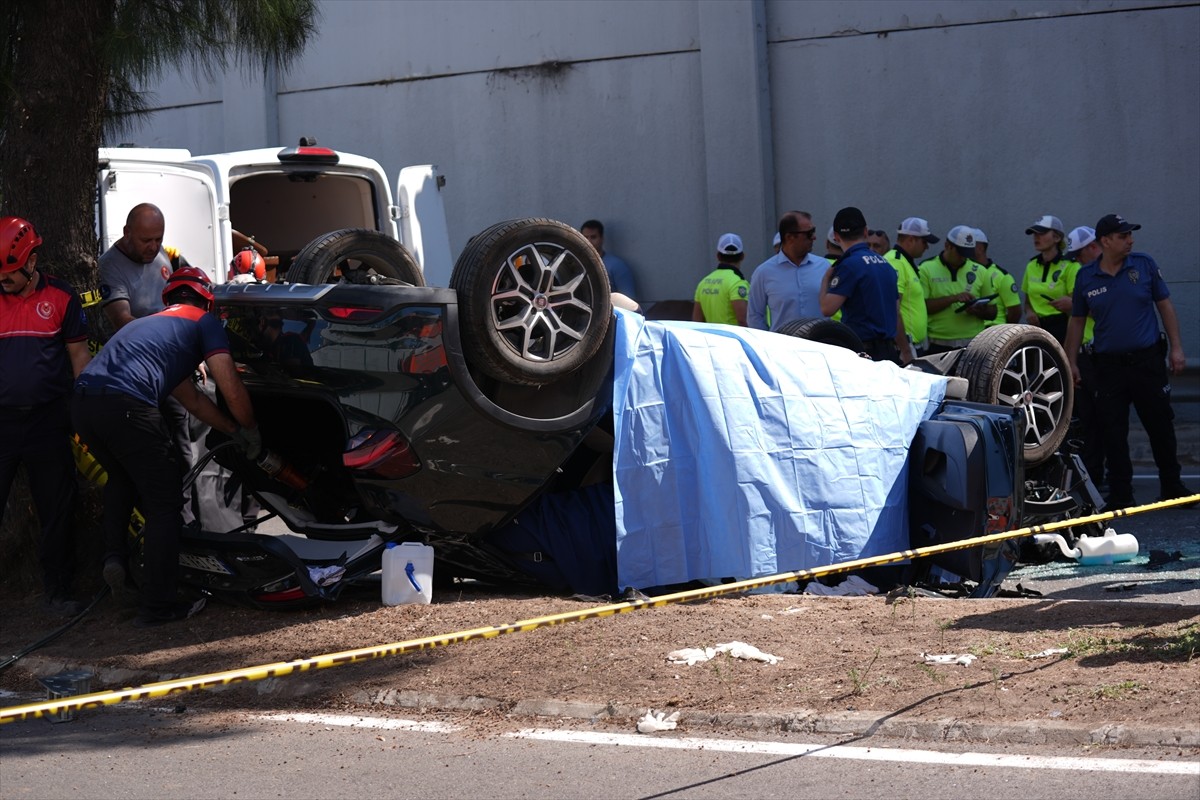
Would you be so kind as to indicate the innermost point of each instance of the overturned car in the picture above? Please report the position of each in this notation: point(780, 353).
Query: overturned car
point(490, 420)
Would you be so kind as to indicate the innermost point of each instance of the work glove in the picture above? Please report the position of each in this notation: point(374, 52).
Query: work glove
point(249, 441)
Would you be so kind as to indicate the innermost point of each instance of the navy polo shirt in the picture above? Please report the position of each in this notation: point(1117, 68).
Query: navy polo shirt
point(868, 282)
point(34, 332)
point(152, 355)
point(1123, 305)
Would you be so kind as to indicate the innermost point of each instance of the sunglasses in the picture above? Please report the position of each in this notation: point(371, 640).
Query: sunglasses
point(877, 233)
point(810, 233)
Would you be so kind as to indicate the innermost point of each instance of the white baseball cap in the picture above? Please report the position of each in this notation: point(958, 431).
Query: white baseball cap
point(729, 244)
point(1080, 238)
point(1046, 223)
point(776, 241)
point(829, 236)
point(961, 235)
point(980, 236)
point(915, 226)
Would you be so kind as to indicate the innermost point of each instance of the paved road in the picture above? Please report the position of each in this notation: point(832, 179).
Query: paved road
point(148, 754)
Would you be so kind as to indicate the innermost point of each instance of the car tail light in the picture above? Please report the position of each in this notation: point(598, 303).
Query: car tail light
point(381, 454)
point(295, 593)
point(353, 313)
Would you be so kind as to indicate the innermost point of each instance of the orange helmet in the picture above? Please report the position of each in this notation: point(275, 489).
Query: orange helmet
point(17, 240)
point(249, 262)
point(192, 278)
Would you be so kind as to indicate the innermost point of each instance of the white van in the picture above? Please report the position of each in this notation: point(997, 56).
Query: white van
point(278, 199)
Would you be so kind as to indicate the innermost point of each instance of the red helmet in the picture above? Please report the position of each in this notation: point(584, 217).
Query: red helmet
point(192, 278)
point(249, 262)
point(17, 240)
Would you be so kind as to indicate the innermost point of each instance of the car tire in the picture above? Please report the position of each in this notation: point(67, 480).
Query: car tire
point(321, 259)
point(825, 331)
point(534, 301)
point(1023, 367)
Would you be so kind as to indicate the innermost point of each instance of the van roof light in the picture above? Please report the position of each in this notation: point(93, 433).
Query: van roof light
point(308, 153)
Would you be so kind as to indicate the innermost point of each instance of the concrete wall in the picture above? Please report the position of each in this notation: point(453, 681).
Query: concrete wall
point(674, 121)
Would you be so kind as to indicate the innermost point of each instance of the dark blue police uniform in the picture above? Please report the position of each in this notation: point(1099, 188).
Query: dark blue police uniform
point(35, 420)
point(116, 411)
point(1129, 355)
point(868, 282)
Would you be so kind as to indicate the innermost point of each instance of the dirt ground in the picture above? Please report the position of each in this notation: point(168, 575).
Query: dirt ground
point(1125, 663)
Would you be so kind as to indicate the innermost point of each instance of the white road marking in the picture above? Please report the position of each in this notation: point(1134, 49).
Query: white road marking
point(867, 753)
point(377, 723)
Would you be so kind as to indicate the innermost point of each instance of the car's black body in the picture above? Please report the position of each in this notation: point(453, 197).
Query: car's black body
point(412, 413)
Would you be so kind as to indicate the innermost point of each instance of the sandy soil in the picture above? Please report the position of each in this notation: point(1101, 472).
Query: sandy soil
point(1126, 663)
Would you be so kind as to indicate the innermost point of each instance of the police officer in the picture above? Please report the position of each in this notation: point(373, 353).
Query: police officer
point(116, 411)
point(862, 285)
point(1083, 249)
point(913, 238)
point(43, 345)
point(955, 295)
point(1003, 285)
point(1121, 290)
point(1047, 301)
point(722, 294)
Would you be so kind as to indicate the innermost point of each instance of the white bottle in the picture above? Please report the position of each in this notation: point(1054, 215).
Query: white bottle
point(407, 573)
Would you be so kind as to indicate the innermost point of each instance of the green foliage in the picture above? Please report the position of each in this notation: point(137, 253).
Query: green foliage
point(205, 36)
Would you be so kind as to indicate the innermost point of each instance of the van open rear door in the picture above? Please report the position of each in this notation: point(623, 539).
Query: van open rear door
point(422, 219)
point(186, 194)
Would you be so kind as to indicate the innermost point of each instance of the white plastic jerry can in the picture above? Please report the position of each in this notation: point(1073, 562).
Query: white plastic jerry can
point(407, 573)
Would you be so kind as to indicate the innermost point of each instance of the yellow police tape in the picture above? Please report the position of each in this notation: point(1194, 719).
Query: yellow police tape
point(247, 674)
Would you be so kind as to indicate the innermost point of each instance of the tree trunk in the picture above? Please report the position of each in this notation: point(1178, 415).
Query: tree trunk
point(52, 127)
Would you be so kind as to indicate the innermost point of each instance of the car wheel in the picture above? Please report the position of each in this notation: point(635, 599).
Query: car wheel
point(1024, 367)
point(825, 331)
point(534, 301)
point(355, 255)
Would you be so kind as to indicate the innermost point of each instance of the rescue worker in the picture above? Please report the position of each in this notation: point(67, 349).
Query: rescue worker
point(248, 266)
point(1047, 301)
point(1003, 285)
point(116, 411)
point(1122, 290)
point(955, 296)
point(43, 346)
point(721, 295)
point(913, 238)
point(862, 285)
point(135, 269)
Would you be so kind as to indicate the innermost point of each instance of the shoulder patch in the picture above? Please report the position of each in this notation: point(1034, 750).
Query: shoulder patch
point(833, 283)
point(742, 292)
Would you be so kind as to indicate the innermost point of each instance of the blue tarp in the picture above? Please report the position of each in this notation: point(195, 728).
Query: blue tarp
point(742, 453)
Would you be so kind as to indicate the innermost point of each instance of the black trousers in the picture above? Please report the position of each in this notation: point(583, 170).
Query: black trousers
point(39, 438)
point(1139, 379)
point(1091, 421)
point(135, 446)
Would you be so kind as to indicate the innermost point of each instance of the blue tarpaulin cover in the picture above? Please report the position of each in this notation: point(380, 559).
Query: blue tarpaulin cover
point(742, 453)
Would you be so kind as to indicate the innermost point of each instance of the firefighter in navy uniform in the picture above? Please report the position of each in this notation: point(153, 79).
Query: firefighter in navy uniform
point(117, 413)
point(43, 346)
point(1122, 290)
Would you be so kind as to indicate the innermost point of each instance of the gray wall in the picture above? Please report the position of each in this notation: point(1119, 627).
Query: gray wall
point(674, 121)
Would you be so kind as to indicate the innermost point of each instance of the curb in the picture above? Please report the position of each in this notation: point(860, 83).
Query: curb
point(805, 721)
point(851, 724)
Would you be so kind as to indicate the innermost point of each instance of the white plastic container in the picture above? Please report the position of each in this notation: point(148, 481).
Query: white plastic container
point(407, 573)
point(1110, 548)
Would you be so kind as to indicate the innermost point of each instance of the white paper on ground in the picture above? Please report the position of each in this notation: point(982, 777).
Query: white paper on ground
point(950, 658)
point(654, 721)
